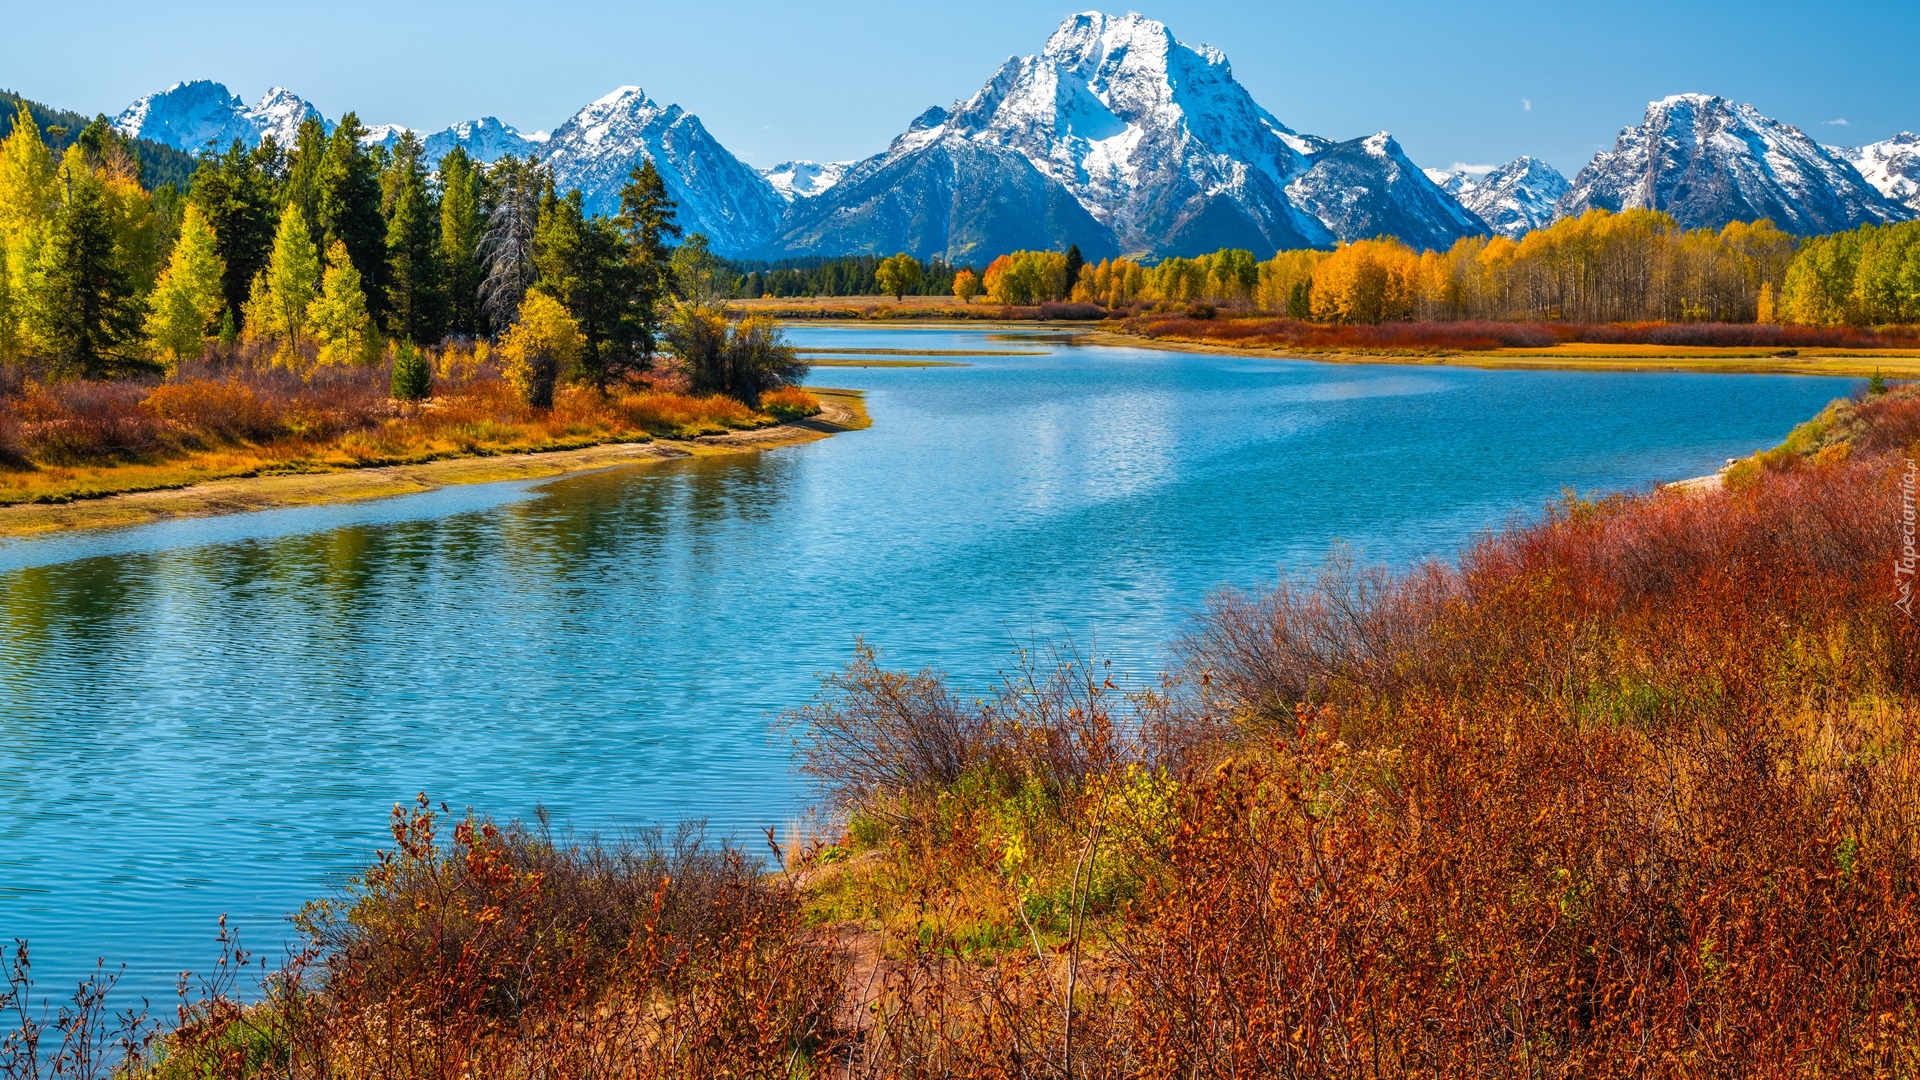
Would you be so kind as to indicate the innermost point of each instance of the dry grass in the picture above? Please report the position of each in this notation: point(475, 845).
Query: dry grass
point(1634, 791)
point(75, 440)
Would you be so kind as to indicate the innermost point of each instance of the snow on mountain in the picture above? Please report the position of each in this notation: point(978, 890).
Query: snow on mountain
point(486, 140)
point(1150, 137)
point(1366, 187)
point(717, 194)
point(193, 115)
point(1513, 199)
point(805, 179)
point(384, 135)
point(961, 200)
point(1892, 166)
point(280, 114)
point(1708, 161)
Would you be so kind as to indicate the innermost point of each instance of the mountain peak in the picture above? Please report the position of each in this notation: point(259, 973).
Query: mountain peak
point(1708, 160)
point(196, 114)
point(1513, 199)
point(1892, 166)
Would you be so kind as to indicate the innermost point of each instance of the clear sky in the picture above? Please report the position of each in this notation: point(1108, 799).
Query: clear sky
point(1473, 83)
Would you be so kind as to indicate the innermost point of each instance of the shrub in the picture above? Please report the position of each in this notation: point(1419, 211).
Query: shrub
point(789, 403)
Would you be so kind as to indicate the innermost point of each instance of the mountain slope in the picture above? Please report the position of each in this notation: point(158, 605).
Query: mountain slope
point(805, 179)
point(1708, 161)
point(718, 195)
point(1155, 142)
point(1891, 166)
point(1364, 188)
point(1513, 200)
point(937, 196)
point(191, 116)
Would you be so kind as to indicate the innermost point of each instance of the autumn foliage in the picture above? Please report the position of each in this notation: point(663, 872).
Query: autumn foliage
point(1633, 790)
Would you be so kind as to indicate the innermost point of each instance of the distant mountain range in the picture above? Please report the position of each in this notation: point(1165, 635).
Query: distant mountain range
point(1122, 139)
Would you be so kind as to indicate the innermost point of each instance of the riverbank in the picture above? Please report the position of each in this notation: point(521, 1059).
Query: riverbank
point(1842, 363)
point(840, 410)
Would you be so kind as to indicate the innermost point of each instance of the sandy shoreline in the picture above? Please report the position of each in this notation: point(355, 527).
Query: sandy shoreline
point(841, 410)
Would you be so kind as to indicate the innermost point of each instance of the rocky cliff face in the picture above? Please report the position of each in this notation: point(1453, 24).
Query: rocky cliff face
point(1708, 161)
point(1513, 200)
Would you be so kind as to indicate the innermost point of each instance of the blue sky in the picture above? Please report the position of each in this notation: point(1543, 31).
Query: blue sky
point(1475, 83)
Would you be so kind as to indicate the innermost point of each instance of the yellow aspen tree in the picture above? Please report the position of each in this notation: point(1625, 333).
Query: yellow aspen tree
point(187, 300)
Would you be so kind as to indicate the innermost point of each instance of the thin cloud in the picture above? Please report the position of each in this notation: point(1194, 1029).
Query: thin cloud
point(1526, 104)
point(1472, 170)
point(1842, 122)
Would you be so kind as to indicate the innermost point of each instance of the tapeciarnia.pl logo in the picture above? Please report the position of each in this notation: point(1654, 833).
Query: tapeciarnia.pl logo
point(1903, 567)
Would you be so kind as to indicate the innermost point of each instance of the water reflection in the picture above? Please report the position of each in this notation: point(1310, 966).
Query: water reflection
point(214, 716)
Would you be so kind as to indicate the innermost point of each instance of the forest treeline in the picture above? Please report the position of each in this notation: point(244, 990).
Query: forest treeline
point(335, 253)
point(158, 164)
point(1600, 267)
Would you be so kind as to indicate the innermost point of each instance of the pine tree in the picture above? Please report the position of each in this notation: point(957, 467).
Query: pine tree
point(507, 249)
point(461, 224)
point(582, 263)
point(1075, 262)
point(188, 301)
point(412, 376)
point(292, 280)
point(646, 217)
point(87, 315)
point(236, 194)
point(338, 317)
point(349, 185)
point(304, 169)
point(416, 304)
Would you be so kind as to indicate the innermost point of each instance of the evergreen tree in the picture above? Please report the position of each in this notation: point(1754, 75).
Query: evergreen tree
point(507, 249)
point(696, 271)
point(349, 185)
point(338, 317)
point(88, 318)
point(461, 227)
point(304, 170)
point(583, 264)
point(416, 302)
point(291, 281)
point(1074, 263)
point(412, 376)
point(235, 193)
point(188, 301)
point(646, 217)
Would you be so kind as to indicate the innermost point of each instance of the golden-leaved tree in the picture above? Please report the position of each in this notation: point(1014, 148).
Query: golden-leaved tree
point(338, 316)
point(282, 293)
point(187, 302)
point(541, 348)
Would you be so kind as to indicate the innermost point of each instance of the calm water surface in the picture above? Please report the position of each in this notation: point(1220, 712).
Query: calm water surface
point(215, 716)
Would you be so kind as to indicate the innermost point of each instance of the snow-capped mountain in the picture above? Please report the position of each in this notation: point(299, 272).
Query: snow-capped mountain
point(486, 140)
point(1708, 161)
point(961, 200)
point(717, 194)
point(1366, 187)
point(1892, 166)
point(193, 115)
point(805, 179)
point(1513, 199)
point(1150, 137)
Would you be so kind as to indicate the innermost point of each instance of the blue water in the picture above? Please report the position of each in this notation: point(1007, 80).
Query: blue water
point(215, 716)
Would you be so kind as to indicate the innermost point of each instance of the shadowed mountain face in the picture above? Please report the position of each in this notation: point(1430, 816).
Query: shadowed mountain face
point(1709, 161)
point(1160, 150)
point(1513, 200)
point(958, 200)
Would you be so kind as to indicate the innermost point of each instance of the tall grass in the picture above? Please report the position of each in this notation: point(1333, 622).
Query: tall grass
point(1631, 791)
point(224, 417)
point(1480, 336)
